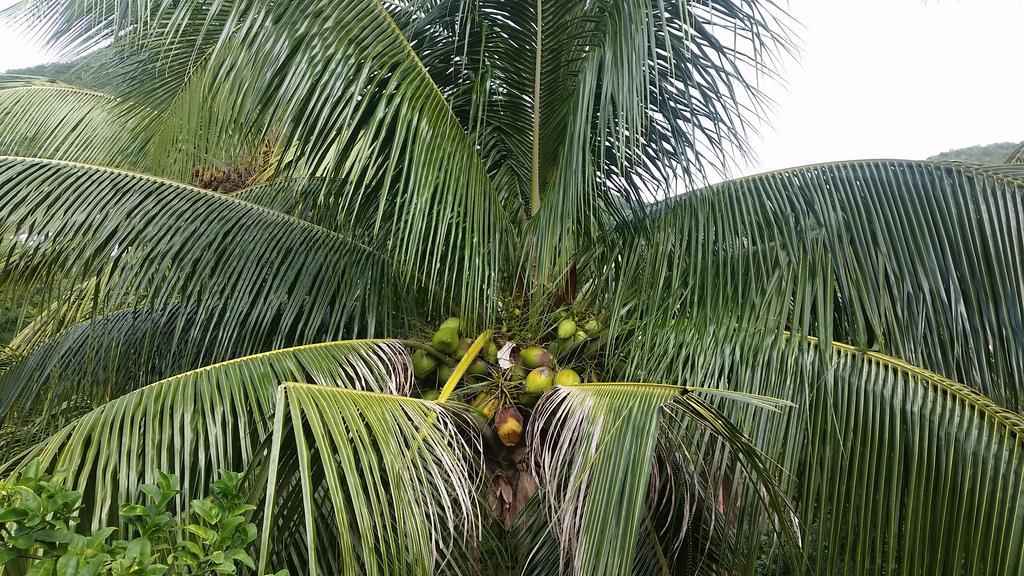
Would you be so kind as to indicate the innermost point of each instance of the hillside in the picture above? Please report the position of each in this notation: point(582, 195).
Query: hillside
point(86, 72)
point(987, 154)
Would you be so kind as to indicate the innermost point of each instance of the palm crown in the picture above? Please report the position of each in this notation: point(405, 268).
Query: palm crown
point(814, 369)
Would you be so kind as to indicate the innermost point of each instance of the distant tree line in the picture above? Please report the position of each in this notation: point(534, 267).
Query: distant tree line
point(85, 72)
point(987, 154)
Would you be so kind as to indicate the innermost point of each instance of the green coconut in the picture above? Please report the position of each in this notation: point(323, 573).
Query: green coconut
point(535, 357)
point(464, 346)
point(432, 394)
point(491, 352)
point(446, 340)
point(444, 372)
point(478, 368)
point(567, 377)
point(519, 373)
point(566, 329)
point(580, 336)
point(528, 399)
point(592, 326)
point(539, 380)
point(423, 363)
point(453, 322)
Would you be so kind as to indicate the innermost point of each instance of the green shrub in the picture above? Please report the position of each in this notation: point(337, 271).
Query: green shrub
point(38, 517)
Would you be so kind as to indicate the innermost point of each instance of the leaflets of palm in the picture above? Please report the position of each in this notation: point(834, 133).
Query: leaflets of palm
point(199, 422)
point(594, 456)
point(388, 483)
point(875, 437)
point(251, 274)
point(918, 260)
point(50, 119)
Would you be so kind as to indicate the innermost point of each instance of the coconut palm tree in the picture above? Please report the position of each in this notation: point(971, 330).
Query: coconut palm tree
point(236, 248)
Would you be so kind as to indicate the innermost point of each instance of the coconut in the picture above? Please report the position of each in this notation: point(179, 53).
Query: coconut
point(580, 336)
point(453, 322)
point(487, 403)
point(567, 377)
point(464, 346)
point(519, 373)
point(423, 363)
point(444, 372)
point(509, 426)
point(535, 357)
point(591, 326)
point(478, 368)
point(446, 340)
point(539, 380)
point(491, 352)
point(566, 328)
point(432, 394)
point(555, 347)
point(528, 400)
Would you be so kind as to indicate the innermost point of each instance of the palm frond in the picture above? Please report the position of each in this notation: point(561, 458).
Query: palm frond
point(655, 101)
point(594, 462)
point(1017, 156)
point(891, 467)
point(390, 480)
point(199, 422)
point(909, 260)
point(50, 119)
point(594, 456)
point(253, 276)
point(371, 116)
point(910, 469)
point(916, 260)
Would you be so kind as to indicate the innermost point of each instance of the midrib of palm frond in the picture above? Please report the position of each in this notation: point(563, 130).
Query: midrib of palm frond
point(1009, 419)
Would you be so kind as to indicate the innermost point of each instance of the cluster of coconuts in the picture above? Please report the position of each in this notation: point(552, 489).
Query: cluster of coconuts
point(500, 395)
point(236, 175)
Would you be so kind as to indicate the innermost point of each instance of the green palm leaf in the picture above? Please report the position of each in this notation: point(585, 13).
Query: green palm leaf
point(594, 456)
point(199, 422)
point(51, 119)
point(907, 259)
point(173, 246)
point(914, 259)
point(388, 483)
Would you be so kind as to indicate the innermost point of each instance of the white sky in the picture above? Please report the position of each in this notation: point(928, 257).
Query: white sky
point(875, 79)
point(898, 79)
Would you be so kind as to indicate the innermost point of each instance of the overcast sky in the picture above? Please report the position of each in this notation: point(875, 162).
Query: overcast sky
point(875, 79)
